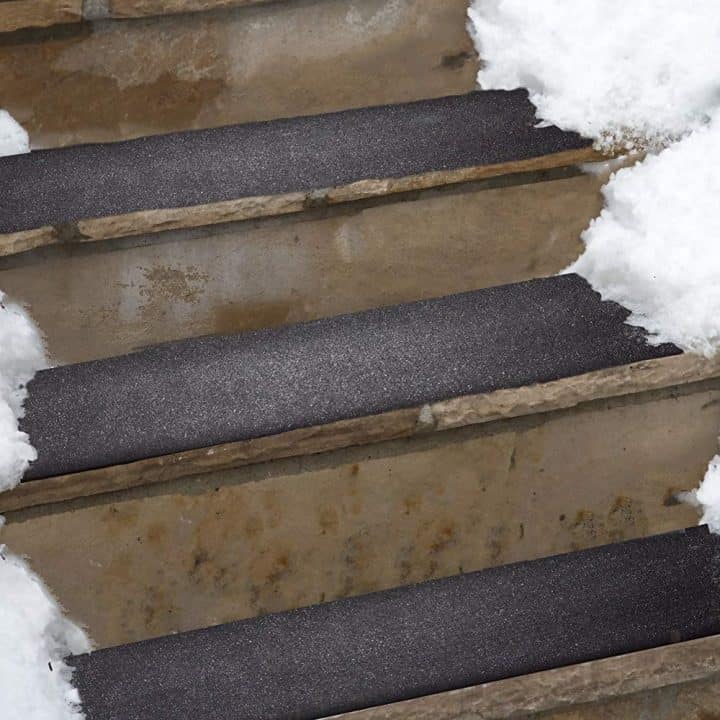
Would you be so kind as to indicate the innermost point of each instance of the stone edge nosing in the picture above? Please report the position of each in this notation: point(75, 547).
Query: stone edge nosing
point(255, 207)
point(23, 14)
point(20, 14)
point(635, 378)
point(559, 688)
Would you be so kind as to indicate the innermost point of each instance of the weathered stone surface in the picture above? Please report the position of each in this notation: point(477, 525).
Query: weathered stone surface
point(689, 701)
point(17, 14)
point(106, 300)
point(676, 682)
point(118, 79)
point(240, 542)
point(141, 8)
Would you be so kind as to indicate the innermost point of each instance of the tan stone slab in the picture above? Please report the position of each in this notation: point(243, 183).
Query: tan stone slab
point(593, 682)
point(26, 240)
point(17, 14)
point(112, 80)
point(242, 541)
point(458, 412)
point(144, 8)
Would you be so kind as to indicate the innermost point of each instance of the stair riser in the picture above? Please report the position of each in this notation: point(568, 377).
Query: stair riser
point(126, 78)
point(116, 296)
point(233, 544)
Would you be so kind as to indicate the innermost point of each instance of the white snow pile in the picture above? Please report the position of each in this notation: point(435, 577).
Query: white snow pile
point(21, 356)
point(633, 74)
point(13, 138)
point(620, 71)
point(656, 246)
point(34, 635)
point(707, 496)
point(34, 639)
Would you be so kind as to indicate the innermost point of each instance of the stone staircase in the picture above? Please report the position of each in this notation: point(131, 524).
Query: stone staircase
point(305, 357)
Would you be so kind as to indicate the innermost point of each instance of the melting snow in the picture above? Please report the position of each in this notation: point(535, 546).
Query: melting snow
point(34, 639)
point(21, 355)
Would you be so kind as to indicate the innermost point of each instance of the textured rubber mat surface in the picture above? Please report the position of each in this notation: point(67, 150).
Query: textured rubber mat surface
point(417, 640)
point(52, 187)
point(207, 391)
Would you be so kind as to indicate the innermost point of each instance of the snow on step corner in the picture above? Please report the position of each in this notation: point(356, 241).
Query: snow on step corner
point(21, 356)
point(35, 683)
point(14, 139)
point(656, 246)
point(645, 73)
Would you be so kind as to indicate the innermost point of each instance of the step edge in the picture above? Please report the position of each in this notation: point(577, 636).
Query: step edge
point(20, 14)
point(503, 404)
point(558, 688)
point(24, 14)
point(150, 222)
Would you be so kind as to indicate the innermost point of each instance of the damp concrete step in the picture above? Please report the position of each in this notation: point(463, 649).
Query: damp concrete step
point(421, 642)
point(225, 477)
point(106, 70)
point(119, 246)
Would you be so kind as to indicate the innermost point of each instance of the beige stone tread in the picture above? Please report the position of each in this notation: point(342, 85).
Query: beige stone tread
point(18, 14)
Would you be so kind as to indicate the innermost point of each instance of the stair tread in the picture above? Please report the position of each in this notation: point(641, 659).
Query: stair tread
point(184, 170)
point(418, 640)
point(219, 389)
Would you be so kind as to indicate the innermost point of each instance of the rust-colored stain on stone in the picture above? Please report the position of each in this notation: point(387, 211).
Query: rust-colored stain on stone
point(244, 316)
point(625, 519)
point(173, 284)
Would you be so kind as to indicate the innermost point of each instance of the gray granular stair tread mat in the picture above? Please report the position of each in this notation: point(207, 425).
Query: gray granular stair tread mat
point(417, 640)
point(54, 187)
point(207, 391)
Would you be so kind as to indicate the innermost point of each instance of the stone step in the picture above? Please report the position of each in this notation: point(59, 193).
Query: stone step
point(672, 682)
point(221, 478)
point(20, 14)
point(102, 80)
point(264, 224)
point(421, 640)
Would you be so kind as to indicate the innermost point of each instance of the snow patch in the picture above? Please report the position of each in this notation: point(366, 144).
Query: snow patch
point(13, 138)
point(656, 246)
point(34, 639)
point(624, 72)
point(21, 356)
point(707, 497)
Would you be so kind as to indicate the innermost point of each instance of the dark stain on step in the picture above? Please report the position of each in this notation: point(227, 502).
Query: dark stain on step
point(671, 497)
point(456, 60)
